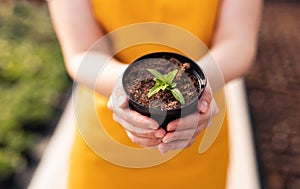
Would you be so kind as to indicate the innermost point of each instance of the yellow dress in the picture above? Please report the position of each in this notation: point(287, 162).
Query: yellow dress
point(188, 169)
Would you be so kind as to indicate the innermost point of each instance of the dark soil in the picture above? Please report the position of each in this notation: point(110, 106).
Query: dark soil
point(139, 81)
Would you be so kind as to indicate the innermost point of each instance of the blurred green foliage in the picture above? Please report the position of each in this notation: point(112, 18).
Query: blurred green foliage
point(32, 80)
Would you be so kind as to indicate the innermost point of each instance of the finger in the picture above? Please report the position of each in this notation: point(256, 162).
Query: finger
point(122, 99)
point(175, 145)
point(159, 133)
point(145, 142)
point(205, 100)
point(128, 126)
point(135, 119)
point(119, 97)
point(184, 134)
point(119, 102)
point(179, 135)
point(187, 122)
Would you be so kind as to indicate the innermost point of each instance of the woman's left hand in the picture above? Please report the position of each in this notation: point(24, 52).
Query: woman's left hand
point(182, 133)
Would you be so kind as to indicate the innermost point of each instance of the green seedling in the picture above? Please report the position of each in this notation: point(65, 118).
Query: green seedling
point(165, 83)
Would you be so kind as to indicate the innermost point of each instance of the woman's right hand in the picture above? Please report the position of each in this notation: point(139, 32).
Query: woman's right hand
point(140, 129)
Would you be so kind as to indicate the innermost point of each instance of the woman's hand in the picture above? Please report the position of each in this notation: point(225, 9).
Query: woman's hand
point(142, 130)
point(182, 133)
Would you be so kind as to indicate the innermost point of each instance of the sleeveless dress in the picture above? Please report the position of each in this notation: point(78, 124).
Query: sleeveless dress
point(188, 169)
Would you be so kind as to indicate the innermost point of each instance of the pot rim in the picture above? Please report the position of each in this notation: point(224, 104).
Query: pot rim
point(202, 79)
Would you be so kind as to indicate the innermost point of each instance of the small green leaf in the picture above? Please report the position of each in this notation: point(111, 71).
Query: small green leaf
point(156, 74)
point(165, 82)
point(170, 76)
point(178, 96)
point(154, 90)
point(158, 81)
point(173, 85)
point(158, 84)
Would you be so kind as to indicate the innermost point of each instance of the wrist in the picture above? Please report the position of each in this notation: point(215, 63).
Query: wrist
point(212, 71)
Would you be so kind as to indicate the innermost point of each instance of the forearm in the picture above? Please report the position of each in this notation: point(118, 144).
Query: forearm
point(228, 60)
point(234, 58)
point(234, 44)
point(77, 30)
point(95, 70)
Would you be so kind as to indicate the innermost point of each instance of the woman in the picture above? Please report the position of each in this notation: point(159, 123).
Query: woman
point(229, 28)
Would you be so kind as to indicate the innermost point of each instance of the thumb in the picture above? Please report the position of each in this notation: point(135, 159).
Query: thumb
point(118, 97)
point(205, 100)
point(116, 100)
point(122, 101)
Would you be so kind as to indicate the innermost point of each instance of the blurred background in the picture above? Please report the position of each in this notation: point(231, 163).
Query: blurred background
point(273, 90)
point(34, 89)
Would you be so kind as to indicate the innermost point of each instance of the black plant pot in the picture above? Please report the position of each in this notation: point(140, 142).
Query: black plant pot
point(163, 117)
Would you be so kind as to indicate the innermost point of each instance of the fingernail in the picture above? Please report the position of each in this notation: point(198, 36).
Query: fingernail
point(204, 106)
point(158, 135)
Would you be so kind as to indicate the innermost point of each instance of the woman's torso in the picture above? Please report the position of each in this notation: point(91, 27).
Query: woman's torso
point(189, 168)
